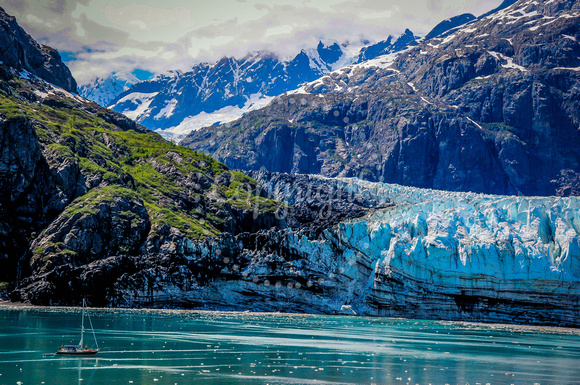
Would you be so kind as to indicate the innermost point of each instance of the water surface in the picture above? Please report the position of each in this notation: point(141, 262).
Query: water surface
point(185, 347)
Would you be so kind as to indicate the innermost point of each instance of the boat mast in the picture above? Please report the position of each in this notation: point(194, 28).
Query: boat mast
point(93, 329)
point(82, 326)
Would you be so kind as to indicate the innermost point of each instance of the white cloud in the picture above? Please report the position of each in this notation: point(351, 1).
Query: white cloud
point(118, 36)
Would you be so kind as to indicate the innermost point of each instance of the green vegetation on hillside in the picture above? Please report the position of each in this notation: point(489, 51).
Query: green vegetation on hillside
point(180, 187)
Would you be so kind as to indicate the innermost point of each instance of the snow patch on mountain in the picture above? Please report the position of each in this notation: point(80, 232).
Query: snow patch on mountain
point(222, 116)
point(509, 61)
point(139, 102)
point(167, 111)
point(314, 60)
point(383, 61)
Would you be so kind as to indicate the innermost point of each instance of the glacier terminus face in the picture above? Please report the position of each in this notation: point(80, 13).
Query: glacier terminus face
point(460, 255)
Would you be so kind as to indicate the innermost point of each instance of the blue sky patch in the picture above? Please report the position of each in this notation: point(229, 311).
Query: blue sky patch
point(142, 74)
point(67, 56)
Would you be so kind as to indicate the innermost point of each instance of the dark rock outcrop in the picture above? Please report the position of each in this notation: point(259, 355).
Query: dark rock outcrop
point(106, 221)
point(313, 203)
point(28, 195)
point(19, 50)
point(449, 24)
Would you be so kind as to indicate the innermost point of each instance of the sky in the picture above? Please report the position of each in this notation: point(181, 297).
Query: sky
point(99, 37)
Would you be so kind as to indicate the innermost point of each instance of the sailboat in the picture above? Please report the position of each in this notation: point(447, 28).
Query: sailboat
point(80, 349)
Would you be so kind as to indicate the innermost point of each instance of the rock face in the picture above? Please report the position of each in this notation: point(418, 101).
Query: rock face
point(39, 174)
point(20, 51)
point(25, 184)
point(491, 107)
point(108, 221)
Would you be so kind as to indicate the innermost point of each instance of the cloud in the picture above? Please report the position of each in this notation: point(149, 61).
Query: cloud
point(108, 36)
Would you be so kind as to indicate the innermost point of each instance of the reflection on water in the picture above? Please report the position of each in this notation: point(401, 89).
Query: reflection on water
point(184, 347)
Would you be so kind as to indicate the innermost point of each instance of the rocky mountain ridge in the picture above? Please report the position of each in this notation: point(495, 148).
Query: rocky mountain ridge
point(175, 103)
point(490, 107)
point(389, 46)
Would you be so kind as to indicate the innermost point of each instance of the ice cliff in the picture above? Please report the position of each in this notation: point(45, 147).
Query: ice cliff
point(437, 254)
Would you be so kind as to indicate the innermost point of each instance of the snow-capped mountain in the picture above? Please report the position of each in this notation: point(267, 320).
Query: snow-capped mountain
point(491, 105)
point(176, 103)
point(385, 47)
point(104, 91)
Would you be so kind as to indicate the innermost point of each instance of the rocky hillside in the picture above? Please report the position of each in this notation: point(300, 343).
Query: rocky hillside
point(491, 107)
point(21, 52)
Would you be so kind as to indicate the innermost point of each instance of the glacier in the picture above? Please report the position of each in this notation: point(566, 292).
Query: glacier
point(418, 254)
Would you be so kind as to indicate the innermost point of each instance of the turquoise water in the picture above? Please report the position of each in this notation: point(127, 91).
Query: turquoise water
point(184, 347)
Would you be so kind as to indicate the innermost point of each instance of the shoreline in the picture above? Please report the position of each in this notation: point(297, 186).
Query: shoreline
point(524, 328)
point(14, 304)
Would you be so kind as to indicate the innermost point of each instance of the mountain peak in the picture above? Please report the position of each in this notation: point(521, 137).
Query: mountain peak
point(20, 51)
point(329, 51)
point(387, 46)
point(103, 91)
point(448, 24)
